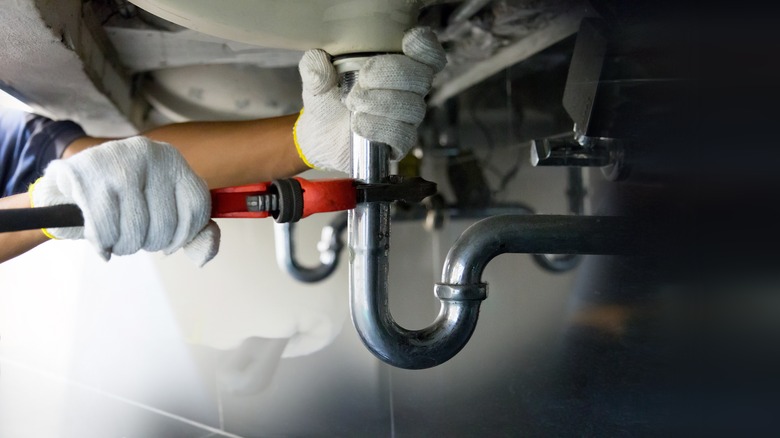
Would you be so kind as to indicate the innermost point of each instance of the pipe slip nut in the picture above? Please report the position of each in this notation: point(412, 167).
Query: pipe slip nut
point(461, 292)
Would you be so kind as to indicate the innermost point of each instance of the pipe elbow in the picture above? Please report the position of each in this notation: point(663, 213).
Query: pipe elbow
point(420, 349)
point(461, 292)
point(474, 249)
point(329, 247)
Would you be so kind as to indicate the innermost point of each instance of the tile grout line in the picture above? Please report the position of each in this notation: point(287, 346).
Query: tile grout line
point(98, 391)
point(219, 407)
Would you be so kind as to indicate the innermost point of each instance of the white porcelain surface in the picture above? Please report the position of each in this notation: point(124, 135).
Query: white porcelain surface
point(338, 26)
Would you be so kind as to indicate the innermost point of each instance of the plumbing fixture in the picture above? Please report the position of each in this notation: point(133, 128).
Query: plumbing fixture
point(331, 243)
point(337, 26)
point(576, 192)
point(343, 28)
point(461, 289)
point(329, 247)
point(369, 243)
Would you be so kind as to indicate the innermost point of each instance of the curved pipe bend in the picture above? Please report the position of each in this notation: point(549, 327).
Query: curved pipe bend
point(461, 289)
point(329, 246)
point(331, 243)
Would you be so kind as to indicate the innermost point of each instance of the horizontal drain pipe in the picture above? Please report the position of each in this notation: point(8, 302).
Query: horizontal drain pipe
point(331, 243)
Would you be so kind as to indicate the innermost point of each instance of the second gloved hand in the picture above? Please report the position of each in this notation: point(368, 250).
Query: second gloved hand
point(388, 101)
point(134, 194)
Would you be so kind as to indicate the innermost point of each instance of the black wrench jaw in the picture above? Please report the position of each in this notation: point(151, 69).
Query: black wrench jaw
point(396, 188)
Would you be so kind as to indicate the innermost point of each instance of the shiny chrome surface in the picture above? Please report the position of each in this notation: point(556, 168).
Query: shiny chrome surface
point(329, 247)
point(461, 289)
point(369, 244)
point(547, 234)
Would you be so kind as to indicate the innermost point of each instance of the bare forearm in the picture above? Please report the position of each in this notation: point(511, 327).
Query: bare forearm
point(16, 243)
point(229, 153)
point(234, 153)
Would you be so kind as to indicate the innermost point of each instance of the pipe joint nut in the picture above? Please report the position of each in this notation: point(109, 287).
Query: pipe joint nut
point(461, 292)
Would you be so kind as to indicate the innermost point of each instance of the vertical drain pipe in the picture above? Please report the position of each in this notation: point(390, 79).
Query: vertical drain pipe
point(369, 248)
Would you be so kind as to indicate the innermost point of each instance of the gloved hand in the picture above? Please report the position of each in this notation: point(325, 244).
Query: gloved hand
point(134, 194)
point(388, 100)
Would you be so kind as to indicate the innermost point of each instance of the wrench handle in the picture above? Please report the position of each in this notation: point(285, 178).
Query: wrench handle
point(56, 216)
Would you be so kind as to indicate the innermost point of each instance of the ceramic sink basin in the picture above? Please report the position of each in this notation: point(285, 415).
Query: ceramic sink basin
point(337, 26)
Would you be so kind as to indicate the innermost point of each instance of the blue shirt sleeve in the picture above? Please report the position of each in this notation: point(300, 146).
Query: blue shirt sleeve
point(28, 143)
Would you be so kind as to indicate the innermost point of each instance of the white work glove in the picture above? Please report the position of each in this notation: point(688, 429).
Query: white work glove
point(388, 101)
point(134, 194)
